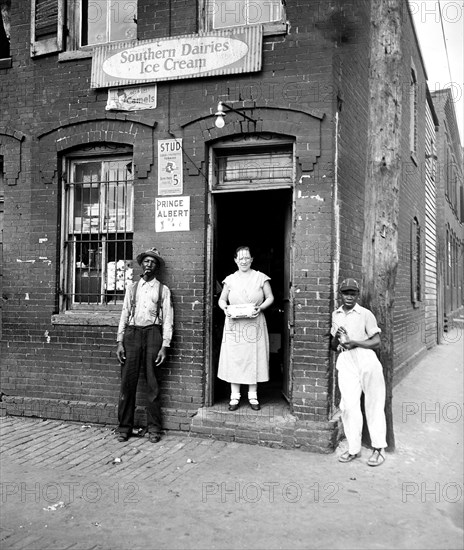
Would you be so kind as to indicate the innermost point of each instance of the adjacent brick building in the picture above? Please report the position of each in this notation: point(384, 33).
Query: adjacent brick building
point(450, 215)
point(410, 295)
point(90, 181)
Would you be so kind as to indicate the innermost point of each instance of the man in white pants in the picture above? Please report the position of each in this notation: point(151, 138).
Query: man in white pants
point(355, 335)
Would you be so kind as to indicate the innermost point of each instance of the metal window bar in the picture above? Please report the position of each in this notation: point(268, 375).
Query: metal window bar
point(119, 203)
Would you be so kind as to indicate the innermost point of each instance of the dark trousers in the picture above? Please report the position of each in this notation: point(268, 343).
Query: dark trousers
point(141, 345)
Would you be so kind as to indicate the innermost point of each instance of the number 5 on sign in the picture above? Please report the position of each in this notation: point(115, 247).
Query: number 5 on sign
point(170, 174)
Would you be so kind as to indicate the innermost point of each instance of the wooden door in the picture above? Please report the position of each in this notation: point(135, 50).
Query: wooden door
point(288, 328)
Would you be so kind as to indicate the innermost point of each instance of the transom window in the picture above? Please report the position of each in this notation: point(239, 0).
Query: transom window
point(252, 166)
point(98, 239)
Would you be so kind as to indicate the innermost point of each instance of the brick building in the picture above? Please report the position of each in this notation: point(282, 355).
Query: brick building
point(412, 330)
point(450, 212)
point(90, 180)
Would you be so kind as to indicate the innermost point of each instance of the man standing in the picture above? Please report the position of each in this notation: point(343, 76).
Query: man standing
point(355, 335)
point(144, 334)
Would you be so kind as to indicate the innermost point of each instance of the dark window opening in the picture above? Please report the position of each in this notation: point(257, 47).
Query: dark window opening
point(5, 27)
point(416, 266)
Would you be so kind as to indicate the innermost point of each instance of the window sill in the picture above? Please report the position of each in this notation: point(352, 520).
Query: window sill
point(92, 318)
point(86, 52)
point(269, 29)
point(75, 54)
point(6, 63)
point(272, 29)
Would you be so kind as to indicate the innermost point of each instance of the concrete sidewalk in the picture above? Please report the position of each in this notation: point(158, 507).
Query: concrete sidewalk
point(68, 485)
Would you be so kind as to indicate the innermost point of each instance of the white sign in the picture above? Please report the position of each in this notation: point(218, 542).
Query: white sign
point(176, 58)
point(215, 53)
point(172, 214)
point(131, 99)
point(170, 169)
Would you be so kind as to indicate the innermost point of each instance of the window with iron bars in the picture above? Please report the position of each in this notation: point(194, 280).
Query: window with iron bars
point(98, 232)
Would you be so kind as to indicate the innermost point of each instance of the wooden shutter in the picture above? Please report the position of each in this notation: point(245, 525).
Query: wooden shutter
point(47, 21)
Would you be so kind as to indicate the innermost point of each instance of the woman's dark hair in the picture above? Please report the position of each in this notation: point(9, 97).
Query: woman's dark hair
point(242, 248)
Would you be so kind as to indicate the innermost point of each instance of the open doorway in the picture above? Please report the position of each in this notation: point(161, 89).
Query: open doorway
point(260, 220)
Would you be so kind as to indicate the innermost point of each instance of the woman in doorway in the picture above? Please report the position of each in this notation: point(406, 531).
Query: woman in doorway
point(244, 357)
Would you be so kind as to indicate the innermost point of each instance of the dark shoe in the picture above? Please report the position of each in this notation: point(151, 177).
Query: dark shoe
point(234, 404)
point(254, 404)
point(122, 437)
point(154, 437)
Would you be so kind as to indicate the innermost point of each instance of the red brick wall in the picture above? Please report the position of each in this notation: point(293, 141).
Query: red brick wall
point(56, 109)
point(323, 56)
point(351, 91)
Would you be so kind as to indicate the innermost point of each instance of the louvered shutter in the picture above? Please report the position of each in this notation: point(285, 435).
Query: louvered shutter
point(47, 20)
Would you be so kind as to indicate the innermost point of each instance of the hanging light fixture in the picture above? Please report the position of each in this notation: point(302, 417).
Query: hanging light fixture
point(220, 114)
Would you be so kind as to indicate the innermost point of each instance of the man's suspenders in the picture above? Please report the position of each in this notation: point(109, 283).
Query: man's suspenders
point(133, 296)
point(158, 305)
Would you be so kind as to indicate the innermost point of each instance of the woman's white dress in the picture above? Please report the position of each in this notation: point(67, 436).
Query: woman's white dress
point(244, 357)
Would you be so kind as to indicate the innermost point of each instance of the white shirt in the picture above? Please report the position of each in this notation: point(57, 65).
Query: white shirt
point(144, 314)
point(360, 323)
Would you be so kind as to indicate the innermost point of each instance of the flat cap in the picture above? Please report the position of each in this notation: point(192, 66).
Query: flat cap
point(349, 284)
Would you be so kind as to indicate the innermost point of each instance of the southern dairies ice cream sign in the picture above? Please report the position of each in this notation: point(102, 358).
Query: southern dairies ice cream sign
point(190, 56)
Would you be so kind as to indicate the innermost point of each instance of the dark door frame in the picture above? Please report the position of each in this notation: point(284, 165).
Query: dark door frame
point(210, 287)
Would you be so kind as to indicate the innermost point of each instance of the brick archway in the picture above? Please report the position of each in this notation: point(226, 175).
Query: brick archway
point(303, 126)
point(77, 134)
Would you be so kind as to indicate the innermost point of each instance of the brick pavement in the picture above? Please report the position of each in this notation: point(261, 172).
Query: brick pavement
point(191, 492)
point(75, 447)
